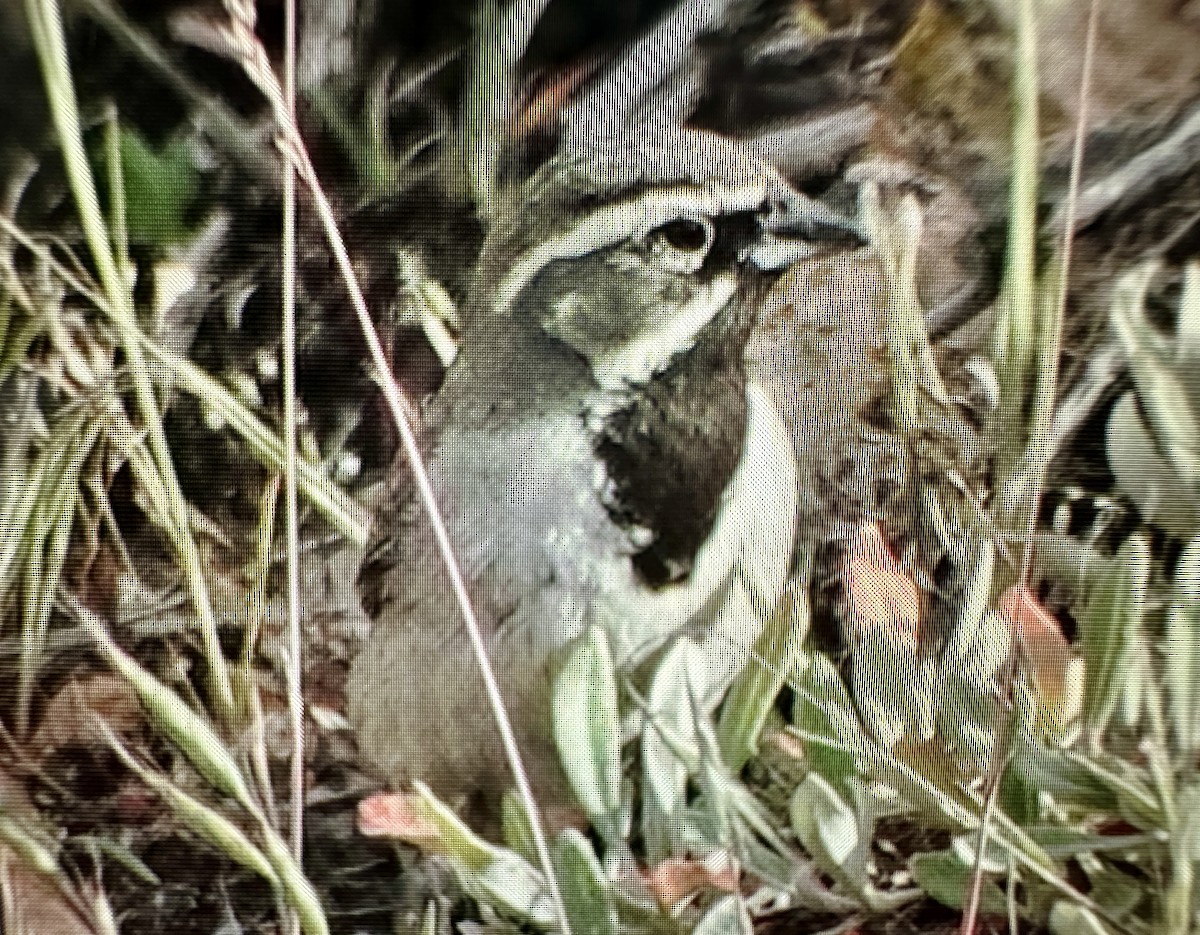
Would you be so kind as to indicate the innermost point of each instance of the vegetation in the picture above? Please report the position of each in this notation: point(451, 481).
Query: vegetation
point(1021, 781)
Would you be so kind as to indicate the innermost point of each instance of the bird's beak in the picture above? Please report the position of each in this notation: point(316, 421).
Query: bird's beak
point(800, 230)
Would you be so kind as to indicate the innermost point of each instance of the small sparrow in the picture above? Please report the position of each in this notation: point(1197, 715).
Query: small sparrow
point(597, 452)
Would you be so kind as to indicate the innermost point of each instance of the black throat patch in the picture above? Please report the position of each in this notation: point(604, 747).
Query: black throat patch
point(672, 451)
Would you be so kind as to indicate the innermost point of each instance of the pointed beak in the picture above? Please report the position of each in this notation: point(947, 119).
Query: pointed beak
point(801, 229)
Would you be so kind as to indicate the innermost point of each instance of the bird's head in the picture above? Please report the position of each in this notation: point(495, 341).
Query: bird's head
point(614, 260)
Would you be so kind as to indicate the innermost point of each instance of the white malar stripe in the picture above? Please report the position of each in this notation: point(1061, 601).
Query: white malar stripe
point(651, 350)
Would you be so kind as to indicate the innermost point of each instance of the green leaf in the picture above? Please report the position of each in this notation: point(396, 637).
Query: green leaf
point(1119, 894)
point(161, 186)
point(516, 830)
point(512, 882)
point(587, 730)
point(492, 873)
point(585, 889)
point(829, 828)
point(824, 709)
point(1166, 498)
point(1061, 842)
point(892, 688)
point(947, 879)
point(1181, 650)
point(1067, 918)
point(1154, 449)
point(1020, 797)
point(778, 653)
point(1187, 332)
point(1069, 781)
point(963, 688)
point(1111, 628)
point(670, 749)
point(1185, 836)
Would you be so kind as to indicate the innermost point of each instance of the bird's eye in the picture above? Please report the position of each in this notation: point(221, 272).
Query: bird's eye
point(684, 242)
point(686, 234)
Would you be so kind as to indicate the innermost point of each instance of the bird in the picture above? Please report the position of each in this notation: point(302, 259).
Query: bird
point(597, 451)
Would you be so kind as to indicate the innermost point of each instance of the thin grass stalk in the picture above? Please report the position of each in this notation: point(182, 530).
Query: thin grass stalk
point(1041, 421)
point(1015, 350)
point(486, 105)
point(1055, 303)
point(50, 42)
point(1016, 356)
point(260, 571)
point(1178, 895)
point(44, 568)
point(399, 409)
point(45, 256)
point(116, 187)
point(37, 531)
point(256, 64)
point(295, 687)
point(501, 37)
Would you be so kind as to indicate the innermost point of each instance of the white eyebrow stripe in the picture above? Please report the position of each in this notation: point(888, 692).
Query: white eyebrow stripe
point(632, 217)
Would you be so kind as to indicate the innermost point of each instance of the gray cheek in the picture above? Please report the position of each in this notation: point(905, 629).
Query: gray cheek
point(599, 312)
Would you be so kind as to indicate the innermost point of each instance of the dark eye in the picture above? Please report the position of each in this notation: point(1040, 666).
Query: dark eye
point(682, 244)
point(686, 234)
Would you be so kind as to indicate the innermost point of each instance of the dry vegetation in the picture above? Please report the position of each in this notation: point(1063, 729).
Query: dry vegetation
point(190, 425)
